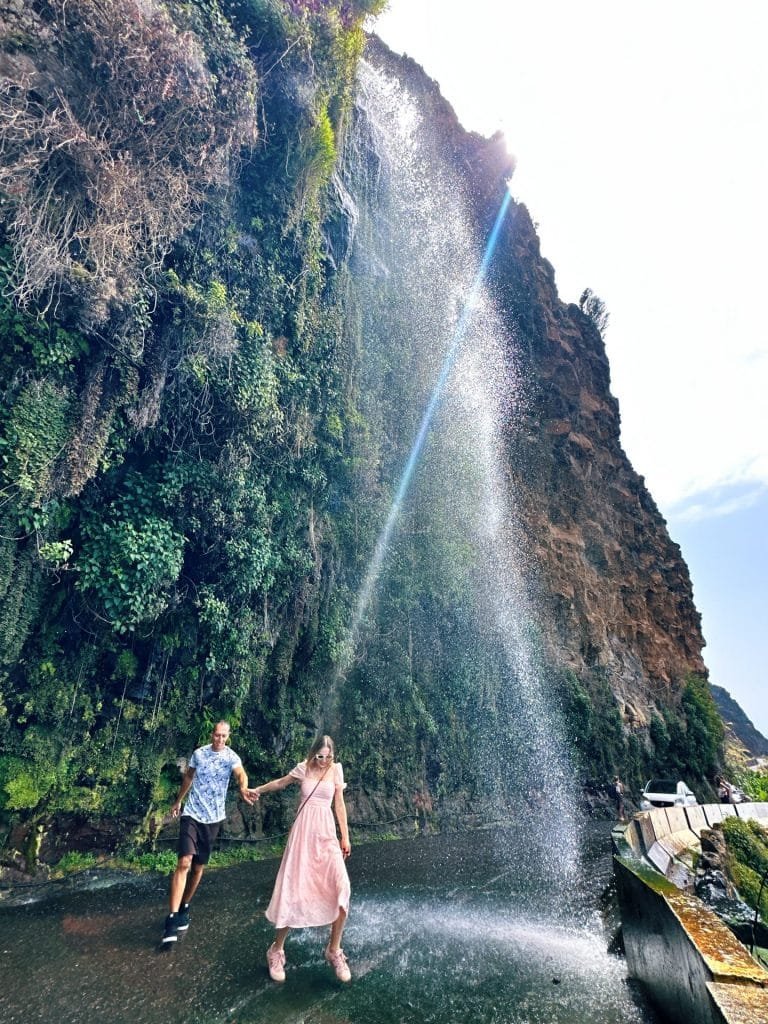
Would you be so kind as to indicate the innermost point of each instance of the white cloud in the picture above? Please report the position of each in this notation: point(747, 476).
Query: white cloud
point(717, 503)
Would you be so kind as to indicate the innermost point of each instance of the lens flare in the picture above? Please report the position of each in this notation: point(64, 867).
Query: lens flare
point(471, 304)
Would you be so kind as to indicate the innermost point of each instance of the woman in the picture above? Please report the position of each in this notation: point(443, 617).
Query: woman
point(724, 790)
point(312, 885)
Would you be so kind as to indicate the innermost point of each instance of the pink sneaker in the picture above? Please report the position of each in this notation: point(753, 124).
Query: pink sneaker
point(276, 963)
point(339, 963)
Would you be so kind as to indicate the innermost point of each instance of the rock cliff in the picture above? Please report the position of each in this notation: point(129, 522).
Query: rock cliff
point(742, 731)
point(616, 588)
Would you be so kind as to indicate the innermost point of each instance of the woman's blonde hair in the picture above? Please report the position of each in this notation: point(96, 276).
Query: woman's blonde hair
point(320, 742)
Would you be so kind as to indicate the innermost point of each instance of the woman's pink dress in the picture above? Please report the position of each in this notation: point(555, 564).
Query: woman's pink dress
point(312, 883)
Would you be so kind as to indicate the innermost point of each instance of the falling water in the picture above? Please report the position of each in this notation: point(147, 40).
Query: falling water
point(432, 342)
point(382, 544)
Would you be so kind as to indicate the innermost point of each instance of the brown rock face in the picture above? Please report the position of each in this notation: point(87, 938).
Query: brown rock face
point(613, 592)
point(614, 588)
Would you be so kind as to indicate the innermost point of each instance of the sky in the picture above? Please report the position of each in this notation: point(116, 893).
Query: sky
point(641, 138)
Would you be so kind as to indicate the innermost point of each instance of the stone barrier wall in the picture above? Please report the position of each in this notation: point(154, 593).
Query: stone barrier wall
point(669, 836)
point(692, 965)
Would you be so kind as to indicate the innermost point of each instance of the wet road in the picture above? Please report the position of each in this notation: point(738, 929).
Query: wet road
point(442, 929)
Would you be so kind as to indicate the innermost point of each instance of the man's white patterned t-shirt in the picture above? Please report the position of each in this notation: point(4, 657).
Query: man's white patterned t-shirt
point(207, 796)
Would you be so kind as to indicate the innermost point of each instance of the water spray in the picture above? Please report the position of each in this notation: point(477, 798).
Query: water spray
point(382, 544)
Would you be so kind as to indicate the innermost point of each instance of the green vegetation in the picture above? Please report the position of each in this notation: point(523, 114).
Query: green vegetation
point(747, 844)
point(592, 306)
point(164, 861)
point(754, 784)
point(376, 837)
point(596, 732)
point(686, 741)
point(173, 394)
point(189, 506)
point(73, 863)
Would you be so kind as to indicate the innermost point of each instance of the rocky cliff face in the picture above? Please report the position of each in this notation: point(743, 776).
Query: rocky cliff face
point(613, 591)
point(743, 733)
point(615, 587)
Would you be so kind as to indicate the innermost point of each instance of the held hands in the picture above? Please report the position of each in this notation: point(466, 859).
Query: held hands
point(250, 796)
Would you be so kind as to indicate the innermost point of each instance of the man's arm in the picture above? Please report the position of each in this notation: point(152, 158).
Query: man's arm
point(186, 782)
point(242, 780)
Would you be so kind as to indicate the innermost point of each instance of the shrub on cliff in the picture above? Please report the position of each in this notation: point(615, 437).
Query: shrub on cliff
point(593, 307)
point(688, 741)
point(703, 743)
point(104, 169)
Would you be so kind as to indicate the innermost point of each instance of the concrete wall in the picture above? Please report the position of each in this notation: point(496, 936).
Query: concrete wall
point(692, 965)
point(669, 836)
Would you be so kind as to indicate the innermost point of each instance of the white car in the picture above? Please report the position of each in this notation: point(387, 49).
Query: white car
point(666, 793)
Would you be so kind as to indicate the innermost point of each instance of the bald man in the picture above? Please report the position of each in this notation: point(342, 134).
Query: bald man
point(204, 792)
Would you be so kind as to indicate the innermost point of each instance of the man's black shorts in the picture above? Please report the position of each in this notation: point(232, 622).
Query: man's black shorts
point(197, 839)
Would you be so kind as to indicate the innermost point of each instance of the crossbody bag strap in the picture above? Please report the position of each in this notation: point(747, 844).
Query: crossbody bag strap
point(304, 802)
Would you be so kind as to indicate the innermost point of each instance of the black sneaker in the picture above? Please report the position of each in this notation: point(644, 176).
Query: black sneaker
point(182, 918)
point(171, 933)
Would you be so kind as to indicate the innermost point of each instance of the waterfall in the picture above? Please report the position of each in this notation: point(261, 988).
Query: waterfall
point(449, 574)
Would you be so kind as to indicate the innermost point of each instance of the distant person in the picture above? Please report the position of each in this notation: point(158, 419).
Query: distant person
point(204, 791)
point(617, 790)
point(312, 886)
point(724, 790)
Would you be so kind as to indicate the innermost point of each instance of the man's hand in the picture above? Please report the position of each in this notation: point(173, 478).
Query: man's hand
point(176, 809)
point(249, 795)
